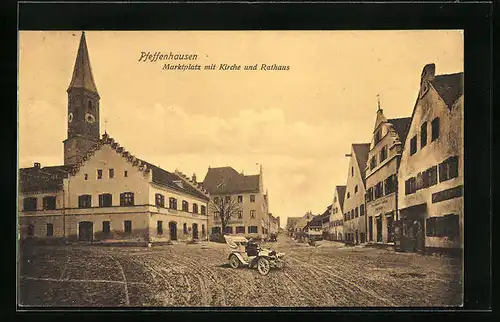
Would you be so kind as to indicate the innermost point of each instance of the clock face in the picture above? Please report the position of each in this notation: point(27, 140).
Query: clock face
point(89, 118)
point(70, 117)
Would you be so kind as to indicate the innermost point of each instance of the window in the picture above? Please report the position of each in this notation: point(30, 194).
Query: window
point(240, 214)
point(383, 153)
point(413, 145)
point(390, 184)
point(185, 205)
point(252, 229)
point(90, 105)
point(240, 229)
point(216, 200)
point(335, 199)
point(348, 195)
point(125, 173)
point(203, 210)
point(352, 171)
point(435, 129)
point(50, 230)
point(227, 199)
point(379, 190)
point(240, 199)
point(49, 203)
point(127, 199)
point(85, 201)
point(229, 230)
point(29, 204)
point(106, 227)
point(376, 139)
point(86, 176)
point(252, 213)
point(369, 195)
point(172, 203)
point(31, 230)
point(356, 189)
point(159, 227)
point(252, 198)
point(159, 200)
point(448, 169)
point(99, 174)
point(356, 213)
point(185, 228)
point(105, 200)
point(373, 163)
point(423, 135)
point(128, 226)
point(432, 173)
point(111, 173)
point(420, 181)
point(195, 208)
point(410, 186)
point(362, 210)
point(446, 226)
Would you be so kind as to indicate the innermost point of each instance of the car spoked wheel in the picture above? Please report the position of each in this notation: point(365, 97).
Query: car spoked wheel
point(234, 262)
point(263, 266)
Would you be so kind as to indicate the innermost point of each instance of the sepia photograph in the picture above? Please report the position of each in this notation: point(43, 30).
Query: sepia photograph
point(240, 168)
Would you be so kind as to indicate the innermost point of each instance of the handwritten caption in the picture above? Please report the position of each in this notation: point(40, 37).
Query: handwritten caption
point(171, 61)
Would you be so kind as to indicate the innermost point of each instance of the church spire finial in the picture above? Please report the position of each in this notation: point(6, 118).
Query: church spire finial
point(378, 102)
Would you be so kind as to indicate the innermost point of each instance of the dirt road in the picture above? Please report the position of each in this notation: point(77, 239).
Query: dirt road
point(198, 275)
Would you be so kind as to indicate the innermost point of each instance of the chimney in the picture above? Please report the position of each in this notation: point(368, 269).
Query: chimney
point(194, 178)
point(37, 165)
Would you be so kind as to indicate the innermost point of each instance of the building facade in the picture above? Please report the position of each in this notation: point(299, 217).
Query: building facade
point(431, 173)
point(381, 177)
point(336, 223)
point(354, 200)
point(253, 217)
point(103, 192)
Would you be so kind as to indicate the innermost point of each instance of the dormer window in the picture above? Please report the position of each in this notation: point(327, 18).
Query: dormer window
point(179, 183)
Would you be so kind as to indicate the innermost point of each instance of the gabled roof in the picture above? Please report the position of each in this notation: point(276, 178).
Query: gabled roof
point(160, 176)
point(361, 151)
point(226, 180)
point(82, 72)
point(401, 126)
point(341, 195)
point(449, 86)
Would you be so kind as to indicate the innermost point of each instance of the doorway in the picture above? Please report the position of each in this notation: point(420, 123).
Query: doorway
point(172, 227)
point(85, 231)
point(379, 229)
point(195, 231)
point(390, 229)
point(357, 238)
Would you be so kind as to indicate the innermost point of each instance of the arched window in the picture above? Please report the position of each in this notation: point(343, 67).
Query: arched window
point(185, 205)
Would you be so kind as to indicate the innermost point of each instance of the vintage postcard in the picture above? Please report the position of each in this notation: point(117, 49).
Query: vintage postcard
point(241, 168)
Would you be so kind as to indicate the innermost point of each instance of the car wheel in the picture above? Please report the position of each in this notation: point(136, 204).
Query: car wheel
point(263, 266)
point(234, 262)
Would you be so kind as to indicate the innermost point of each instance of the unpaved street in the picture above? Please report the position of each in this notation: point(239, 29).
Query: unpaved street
point(198, 275)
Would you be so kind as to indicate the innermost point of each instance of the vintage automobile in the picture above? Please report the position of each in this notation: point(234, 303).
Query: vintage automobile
point(248, 253)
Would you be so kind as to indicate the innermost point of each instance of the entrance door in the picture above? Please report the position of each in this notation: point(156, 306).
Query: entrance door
point(390, 229)
point(172, 227)
point(85, 231)
point(370, 228)
point(357, 238)
point(418, 230)
point(379, 229)
point(195, 231)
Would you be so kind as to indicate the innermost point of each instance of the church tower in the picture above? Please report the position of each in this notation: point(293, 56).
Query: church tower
point(83, 108)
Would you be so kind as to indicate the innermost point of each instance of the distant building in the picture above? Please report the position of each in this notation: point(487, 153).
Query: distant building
point(314, 228)
point(301, 224)
point(325, 220)
point(336, 222)
point(248, 190)
point(354, 200)
point(291, 224)
point(103, 192)
point(381, 176)
point(431, 173)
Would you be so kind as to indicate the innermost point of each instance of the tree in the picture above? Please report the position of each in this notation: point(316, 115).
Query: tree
point(225, 208)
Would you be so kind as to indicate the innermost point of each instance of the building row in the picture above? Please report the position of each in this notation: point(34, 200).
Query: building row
point(405, 187)
point(104, 192)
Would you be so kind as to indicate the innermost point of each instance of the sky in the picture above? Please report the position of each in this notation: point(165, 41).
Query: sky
point(298, 124)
